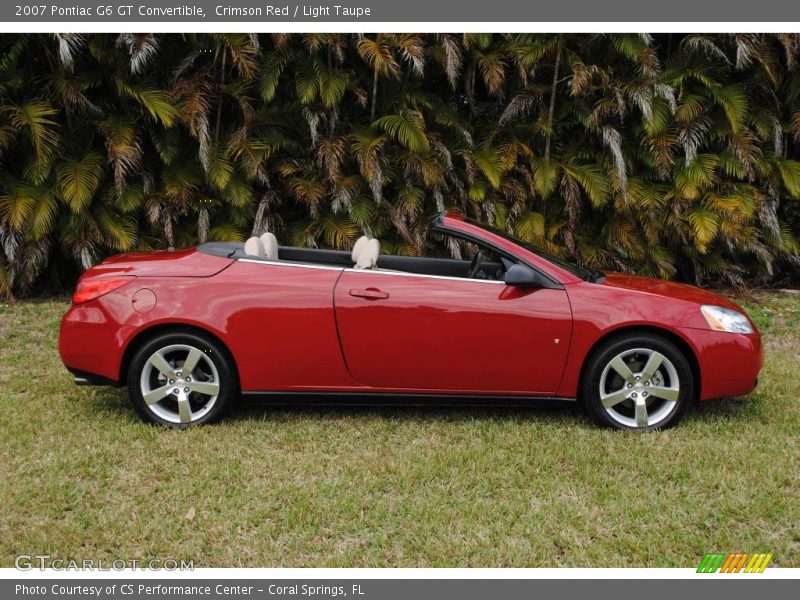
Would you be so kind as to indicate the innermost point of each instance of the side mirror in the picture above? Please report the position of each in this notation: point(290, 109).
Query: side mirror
point(520, 275)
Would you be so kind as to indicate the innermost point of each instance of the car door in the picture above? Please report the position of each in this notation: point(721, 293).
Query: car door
point(408, 332)
point(278, 321)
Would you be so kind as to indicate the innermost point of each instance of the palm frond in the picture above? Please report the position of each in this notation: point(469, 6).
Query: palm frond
point(79, 179)
point(407, 129)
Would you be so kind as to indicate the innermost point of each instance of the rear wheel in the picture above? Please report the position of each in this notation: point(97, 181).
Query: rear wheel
point(180, 379)
point(640, 381)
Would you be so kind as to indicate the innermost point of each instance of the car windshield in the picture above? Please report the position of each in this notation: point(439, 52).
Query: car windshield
point(568, 265)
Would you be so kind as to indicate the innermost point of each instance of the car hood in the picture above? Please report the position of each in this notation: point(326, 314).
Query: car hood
point(667, 289)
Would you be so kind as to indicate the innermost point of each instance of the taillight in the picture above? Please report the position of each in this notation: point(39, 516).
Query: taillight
point(94, 287)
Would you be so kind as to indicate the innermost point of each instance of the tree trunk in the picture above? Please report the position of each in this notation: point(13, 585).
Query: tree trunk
point(552, 109)
point(469, 90)
point(374, 95)
point(218, 129)
point(168, 232)
point(203, 225)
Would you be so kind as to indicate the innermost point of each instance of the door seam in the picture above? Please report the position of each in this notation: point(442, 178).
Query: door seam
point(338, 329)
point(568, 355)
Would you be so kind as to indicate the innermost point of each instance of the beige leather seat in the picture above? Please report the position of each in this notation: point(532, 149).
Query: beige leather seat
point(358, 247)
point(368, 255)
point(270, 243)
point(254, 247)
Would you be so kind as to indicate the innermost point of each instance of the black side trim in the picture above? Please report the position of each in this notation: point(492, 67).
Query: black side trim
point(397, 399)
point(223, 249)
point(86, 378)
point(317, 256)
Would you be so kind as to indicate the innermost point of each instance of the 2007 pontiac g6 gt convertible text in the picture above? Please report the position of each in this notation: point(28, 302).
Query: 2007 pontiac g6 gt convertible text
point(189, 331)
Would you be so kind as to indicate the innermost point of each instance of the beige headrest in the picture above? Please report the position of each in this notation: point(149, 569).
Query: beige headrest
point(357, 247)
point(368, 257)
point(270, 243)
point(254, 247)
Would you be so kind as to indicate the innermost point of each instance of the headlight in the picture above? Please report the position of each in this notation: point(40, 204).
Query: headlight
point(725, 319)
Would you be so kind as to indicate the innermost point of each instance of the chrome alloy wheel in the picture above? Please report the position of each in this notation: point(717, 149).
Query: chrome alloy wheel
point(639, 388)
point(180, 383)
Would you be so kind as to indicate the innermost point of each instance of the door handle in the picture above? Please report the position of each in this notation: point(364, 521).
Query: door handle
point(369, 294)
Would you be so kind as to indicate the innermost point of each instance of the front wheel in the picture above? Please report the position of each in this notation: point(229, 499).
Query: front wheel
point(640, 381)
point(180, 379)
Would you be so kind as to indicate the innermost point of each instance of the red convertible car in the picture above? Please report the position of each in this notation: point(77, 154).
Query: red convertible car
point(189, 331)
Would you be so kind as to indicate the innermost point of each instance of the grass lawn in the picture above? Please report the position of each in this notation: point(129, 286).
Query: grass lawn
point(81, 477)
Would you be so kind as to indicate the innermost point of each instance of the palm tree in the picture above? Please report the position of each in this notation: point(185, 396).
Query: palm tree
point(378, 54)
point(670, 155)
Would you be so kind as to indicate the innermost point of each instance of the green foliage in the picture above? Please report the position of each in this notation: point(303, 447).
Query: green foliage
point(79, 180)
point(407, 130)
point(669, 155)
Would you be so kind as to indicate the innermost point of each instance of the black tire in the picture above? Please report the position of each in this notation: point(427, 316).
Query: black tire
point(225, 377)
point(601, 357)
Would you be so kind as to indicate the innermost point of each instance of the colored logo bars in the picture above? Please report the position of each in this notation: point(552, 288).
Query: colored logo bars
point(735, 562)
